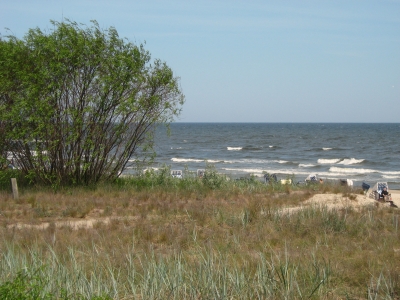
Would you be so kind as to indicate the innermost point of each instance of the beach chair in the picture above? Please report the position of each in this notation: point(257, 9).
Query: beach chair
point(270, 178)
point(312, 178)
point(176, 173)
point(375, 193)
point(376, 190)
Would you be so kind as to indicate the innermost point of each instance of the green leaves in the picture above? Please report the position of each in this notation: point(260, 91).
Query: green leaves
point(88, 96)
point(26, 285)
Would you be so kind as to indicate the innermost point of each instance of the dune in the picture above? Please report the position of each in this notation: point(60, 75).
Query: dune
point(340, 201)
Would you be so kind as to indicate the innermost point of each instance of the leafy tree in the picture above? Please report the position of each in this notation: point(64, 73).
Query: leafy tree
point(78, 104)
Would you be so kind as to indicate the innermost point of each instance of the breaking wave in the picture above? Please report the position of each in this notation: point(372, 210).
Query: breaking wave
point(306, 165)
point(328, 161)
point(248, 148)
point(352, 170)
point(390, 177)
point(183, 160)
point(186, 160)
point(282, 161)
point(339, 161)
point(350, 161)
point(259, 171)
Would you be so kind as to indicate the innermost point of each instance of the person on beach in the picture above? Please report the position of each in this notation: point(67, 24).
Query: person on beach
point(385, 195)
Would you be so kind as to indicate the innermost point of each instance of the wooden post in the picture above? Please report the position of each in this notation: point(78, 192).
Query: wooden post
point(14, 188)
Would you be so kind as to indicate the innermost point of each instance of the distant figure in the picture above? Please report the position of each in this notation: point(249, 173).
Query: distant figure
point(200, 173)
point(385, 195)
point(365, 187)
point(321, 181)
point(270, 178)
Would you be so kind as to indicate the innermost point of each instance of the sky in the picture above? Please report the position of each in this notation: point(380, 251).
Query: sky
point(254, 60)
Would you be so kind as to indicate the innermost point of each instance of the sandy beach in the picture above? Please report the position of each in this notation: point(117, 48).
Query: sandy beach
point(339, 201)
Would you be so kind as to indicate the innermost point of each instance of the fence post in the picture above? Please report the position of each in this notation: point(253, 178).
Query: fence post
point(14, 188)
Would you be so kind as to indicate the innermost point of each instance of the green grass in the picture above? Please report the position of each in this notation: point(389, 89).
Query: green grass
point(198, 274)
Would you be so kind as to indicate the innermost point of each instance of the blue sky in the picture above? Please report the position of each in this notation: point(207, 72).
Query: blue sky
point(255, 61)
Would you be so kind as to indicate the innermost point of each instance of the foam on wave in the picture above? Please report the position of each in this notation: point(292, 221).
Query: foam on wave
point(282, 161)
point(390, 177)
point(180, 160)
point(306, 165)
point(186, 160)
point(244, 170)
point(328, 161)
point(350, 161)
point(352, 170)
point(339, 161)
point(391, 172)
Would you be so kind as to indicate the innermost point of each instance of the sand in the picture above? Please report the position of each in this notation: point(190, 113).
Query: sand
point(339, 201)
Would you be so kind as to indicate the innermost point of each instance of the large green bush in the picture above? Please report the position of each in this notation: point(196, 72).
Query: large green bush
point(79, 104)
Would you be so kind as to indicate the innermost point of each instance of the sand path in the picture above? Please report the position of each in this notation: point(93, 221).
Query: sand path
point(73, 224)
point(331, 201)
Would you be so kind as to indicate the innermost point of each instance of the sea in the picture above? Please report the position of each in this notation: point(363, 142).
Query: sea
point(365, 152)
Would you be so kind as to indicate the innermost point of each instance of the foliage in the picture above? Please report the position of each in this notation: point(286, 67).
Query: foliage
point(5, 178)
point(78, 104)
point(162, 178)
point(24, 286)
point(212, 179)
point(32, 285)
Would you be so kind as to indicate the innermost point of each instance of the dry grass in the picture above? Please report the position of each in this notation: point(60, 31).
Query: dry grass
point(231, 240)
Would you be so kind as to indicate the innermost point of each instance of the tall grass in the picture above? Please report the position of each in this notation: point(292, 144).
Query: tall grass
point(199, 274)
point(156, 237)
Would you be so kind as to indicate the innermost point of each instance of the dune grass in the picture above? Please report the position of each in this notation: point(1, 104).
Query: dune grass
point(156, 237)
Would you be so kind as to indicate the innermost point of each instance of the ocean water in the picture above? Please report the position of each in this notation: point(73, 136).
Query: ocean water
point(360, 152)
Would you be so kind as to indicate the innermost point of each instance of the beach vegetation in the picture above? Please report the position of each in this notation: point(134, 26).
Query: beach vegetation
point(78, 104)
point(142, 237)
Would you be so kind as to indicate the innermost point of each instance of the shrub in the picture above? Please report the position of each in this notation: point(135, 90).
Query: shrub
point(212, 179)
point(5, 179)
